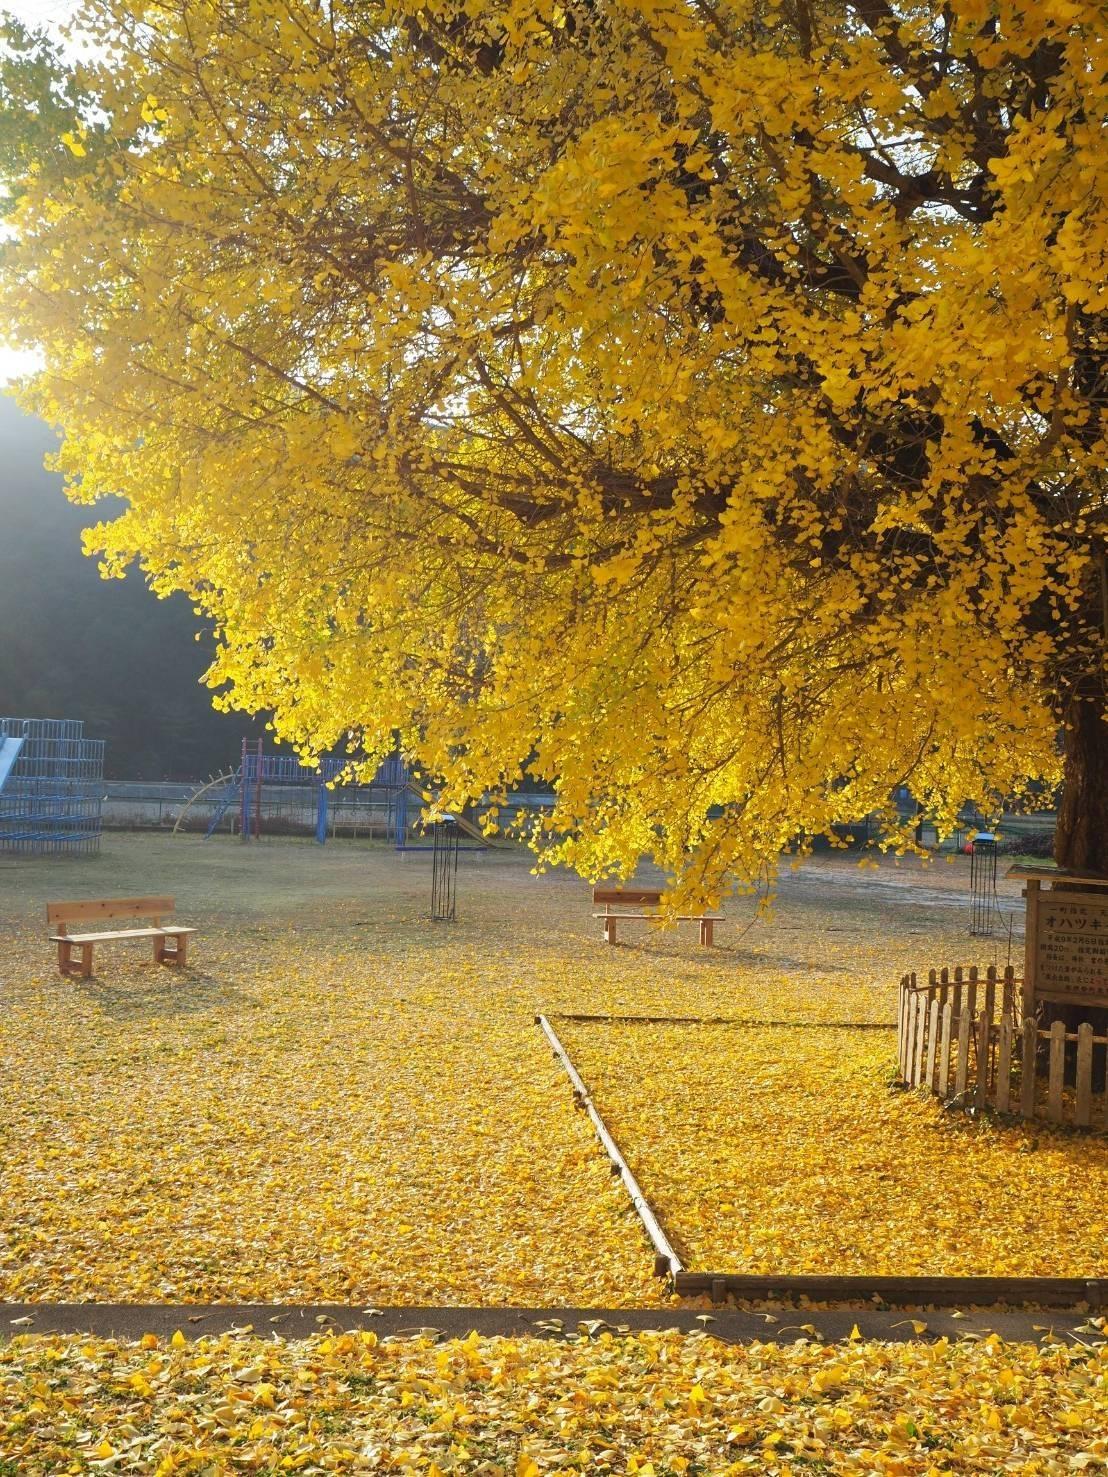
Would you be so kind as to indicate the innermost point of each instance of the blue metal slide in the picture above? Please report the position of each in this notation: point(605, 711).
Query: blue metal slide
point(9, 753)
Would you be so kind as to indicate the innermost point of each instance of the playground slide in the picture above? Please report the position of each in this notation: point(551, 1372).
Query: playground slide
point(467, 828)
point(9, 753)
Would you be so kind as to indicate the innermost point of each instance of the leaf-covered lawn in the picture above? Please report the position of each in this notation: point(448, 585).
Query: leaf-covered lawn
point(783, 1150)
point(650, 1404)
point(343, 1102)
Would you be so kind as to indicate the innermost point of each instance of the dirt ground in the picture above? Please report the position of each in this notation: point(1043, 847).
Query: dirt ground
point(343, 1101)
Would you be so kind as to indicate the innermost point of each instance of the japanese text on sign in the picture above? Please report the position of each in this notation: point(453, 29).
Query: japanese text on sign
point(1072, 952)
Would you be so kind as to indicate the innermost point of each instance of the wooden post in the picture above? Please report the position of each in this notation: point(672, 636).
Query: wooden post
point(1084, 1116)
point(902, 1025)
point(1027, 1066)
point(1057, 1071)
point(961, 1070)
point(913, 1016)
point(944, 1053)
point(921, 1031)
point(985, 1039)
point(1009, 998)
point(932, 1041)
point(982, 1038)
point(1003, 1093)
point(1031, 945)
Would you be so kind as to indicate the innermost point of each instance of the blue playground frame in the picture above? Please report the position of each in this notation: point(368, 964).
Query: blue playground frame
point(257, 769)
point(51, 787)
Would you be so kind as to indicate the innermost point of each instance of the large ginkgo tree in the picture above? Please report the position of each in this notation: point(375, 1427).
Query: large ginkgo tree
point(700, 403)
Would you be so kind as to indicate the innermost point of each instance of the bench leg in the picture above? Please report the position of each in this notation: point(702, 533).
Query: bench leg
point(67, 965)
point(171, 951)
point(707, 926)
point(610, 929)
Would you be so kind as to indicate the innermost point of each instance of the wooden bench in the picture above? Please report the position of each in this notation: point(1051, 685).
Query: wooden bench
point(643, 897)
point(170, 944)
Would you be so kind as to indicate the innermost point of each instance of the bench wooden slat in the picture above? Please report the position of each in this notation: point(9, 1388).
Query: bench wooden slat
point(650, 917)
point(119, 933)
point(642, 895)
point(85, 909)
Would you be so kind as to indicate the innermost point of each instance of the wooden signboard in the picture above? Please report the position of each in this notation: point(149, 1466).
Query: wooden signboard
point(1066, 951)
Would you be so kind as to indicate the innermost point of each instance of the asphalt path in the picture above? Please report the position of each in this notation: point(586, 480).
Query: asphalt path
point(130, 1321)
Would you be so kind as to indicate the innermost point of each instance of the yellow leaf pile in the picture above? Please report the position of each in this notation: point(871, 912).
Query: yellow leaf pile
point(783, 1150)
point(642, 1405)
point(342, 1101)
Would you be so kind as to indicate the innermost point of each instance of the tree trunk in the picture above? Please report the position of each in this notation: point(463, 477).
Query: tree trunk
point(1081, 836)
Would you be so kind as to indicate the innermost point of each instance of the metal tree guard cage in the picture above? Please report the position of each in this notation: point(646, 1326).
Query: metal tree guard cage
point(444, 870)
point(51, 787)
point(984, 909)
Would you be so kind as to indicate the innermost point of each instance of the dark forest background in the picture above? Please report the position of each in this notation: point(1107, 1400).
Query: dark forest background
point(73, 645)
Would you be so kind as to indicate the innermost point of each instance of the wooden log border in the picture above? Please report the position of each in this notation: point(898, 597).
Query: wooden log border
point(714, 1020)
point(666, 1261)
point(1073, 1294)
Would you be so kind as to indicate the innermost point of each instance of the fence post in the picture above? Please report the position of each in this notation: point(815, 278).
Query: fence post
point(1004, 1060)
point(1009, 999)
point(961, 1070)
point(921, 1030)
point(985, 1039)
point(943, 1088)
point(932, 1041)
point(907, 1026)
point(909, 1034)
point(1027, 1066)
point(1057, 1070)
point(1084, 1075)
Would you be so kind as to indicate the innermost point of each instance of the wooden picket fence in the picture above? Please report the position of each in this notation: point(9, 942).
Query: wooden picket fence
point(962, 1035)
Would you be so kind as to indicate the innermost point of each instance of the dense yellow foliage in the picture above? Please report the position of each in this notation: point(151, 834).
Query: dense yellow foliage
point(649, 1405)
point(700, 400)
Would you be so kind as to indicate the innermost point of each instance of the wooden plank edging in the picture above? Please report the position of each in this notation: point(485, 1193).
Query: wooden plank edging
point(1044, 1292)
point(714, 1020)
point(666, 1260)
